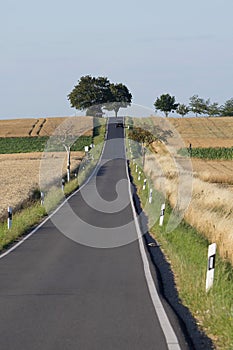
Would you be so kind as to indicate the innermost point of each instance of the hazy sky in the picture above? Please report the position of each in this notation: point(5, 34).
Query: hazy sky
point(179, 47)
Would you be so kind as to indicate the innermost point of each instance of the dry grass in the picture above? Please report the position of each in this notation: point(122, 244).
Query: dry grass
point(44, 126)
point(210, 210)
point(211, 207)
point(19, 174)
point(214, 171)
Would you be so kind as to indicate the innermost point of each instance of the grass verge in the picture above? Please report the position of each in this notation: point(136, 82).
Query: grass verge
point(186, 250)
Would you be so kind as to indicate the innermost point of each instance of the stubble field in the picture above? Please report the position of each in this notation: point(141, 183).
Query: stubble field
point(20, 174)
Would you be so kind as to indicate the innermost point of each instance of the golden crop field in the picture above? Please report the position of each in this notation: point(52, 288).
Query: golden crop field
point(45, 126)
point(20, 174)
point(17, 127)
point(205, 132)
point(211, 206)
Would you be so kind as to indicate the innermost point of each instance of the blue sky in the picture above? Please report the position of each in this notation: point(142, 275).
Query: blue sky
point(154, 47)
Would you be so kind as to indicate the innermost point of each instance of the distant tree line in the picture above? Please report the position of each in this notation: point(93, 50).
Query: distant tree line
point(94, 95)
point(197, 105)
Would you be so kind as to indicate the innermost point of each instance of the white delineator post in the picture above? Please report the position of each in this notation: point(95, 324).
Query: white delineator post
point(144, 185)
point(150, 196)
point(139, 176)
point(136, 169)
point(9, 220)
point(42, 198)
point(63, 184)
point(210, 266)
point(162, 215)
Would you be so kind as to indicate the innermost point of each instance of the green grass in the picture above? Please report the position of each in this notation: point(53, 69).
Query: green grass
point(9, 145)
point(187, 251)
point(208, 153)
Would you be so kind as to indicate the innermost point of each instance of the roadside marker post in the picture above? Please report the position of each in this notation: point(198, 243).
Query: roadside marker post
point(63, 184)
point(139, 176)
point(42, 198)
point(210, 266)
point(136, 168)
point(150, 196)
point(162, 215)
point(144, 185)
point(9, 220)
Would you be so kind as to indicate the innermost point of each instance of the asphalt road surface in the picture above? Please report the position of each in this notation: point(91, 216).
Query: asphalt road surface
point(79, 281)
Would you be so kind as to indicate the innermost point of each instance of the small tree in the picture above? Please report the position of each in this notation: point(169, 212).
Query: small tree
point(182, 110)
point(166, 104)
point(227, 108)
point(198, 105)
point(214, 109)
point(142, 136)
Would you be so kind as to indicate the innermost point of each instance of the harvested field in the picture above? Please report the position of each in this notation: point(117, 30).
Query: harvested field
point(205, 132)
point(45, 126)
point(78, 126)
point(17, 127)
point(19, 174)
point(214, 171)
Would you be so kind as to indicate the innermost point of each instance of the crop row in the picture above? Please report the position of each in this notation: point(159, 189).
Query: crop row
point(40, 144)
point(208, 153)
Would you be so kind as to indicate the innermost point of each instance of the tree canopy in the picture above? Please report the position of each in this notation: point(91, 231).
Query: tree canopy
point(166, 103)
point(121, 98)
point(182, 110)
point(198, 105)
point(227, 108)
point(95, 94)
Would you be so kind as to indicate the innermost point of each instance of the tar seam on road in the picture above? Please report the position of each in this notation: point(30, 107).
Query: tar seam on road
point(8, 251)
point(170, 336)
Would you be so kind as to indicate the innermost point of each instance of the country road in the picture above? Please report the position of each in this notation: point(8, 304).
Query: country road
point(79, 282)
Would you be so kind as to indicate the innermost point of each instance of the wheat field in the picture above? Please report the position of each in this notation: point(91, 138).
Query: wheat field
point(45, 126)
point(210, 182)
point(20, 174)
point(205, 132)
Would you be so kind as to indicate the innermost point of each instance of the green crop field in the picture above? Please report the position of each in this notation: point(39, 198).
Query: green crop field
point(11, 145)
point(208, 153)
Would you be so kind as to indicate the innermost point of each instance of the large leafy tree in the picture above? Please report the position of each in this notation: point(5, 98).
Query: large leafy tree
point(166, 103)
point(121, 98)
point(93, 94)
point(89, 93)
point(227, 108)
